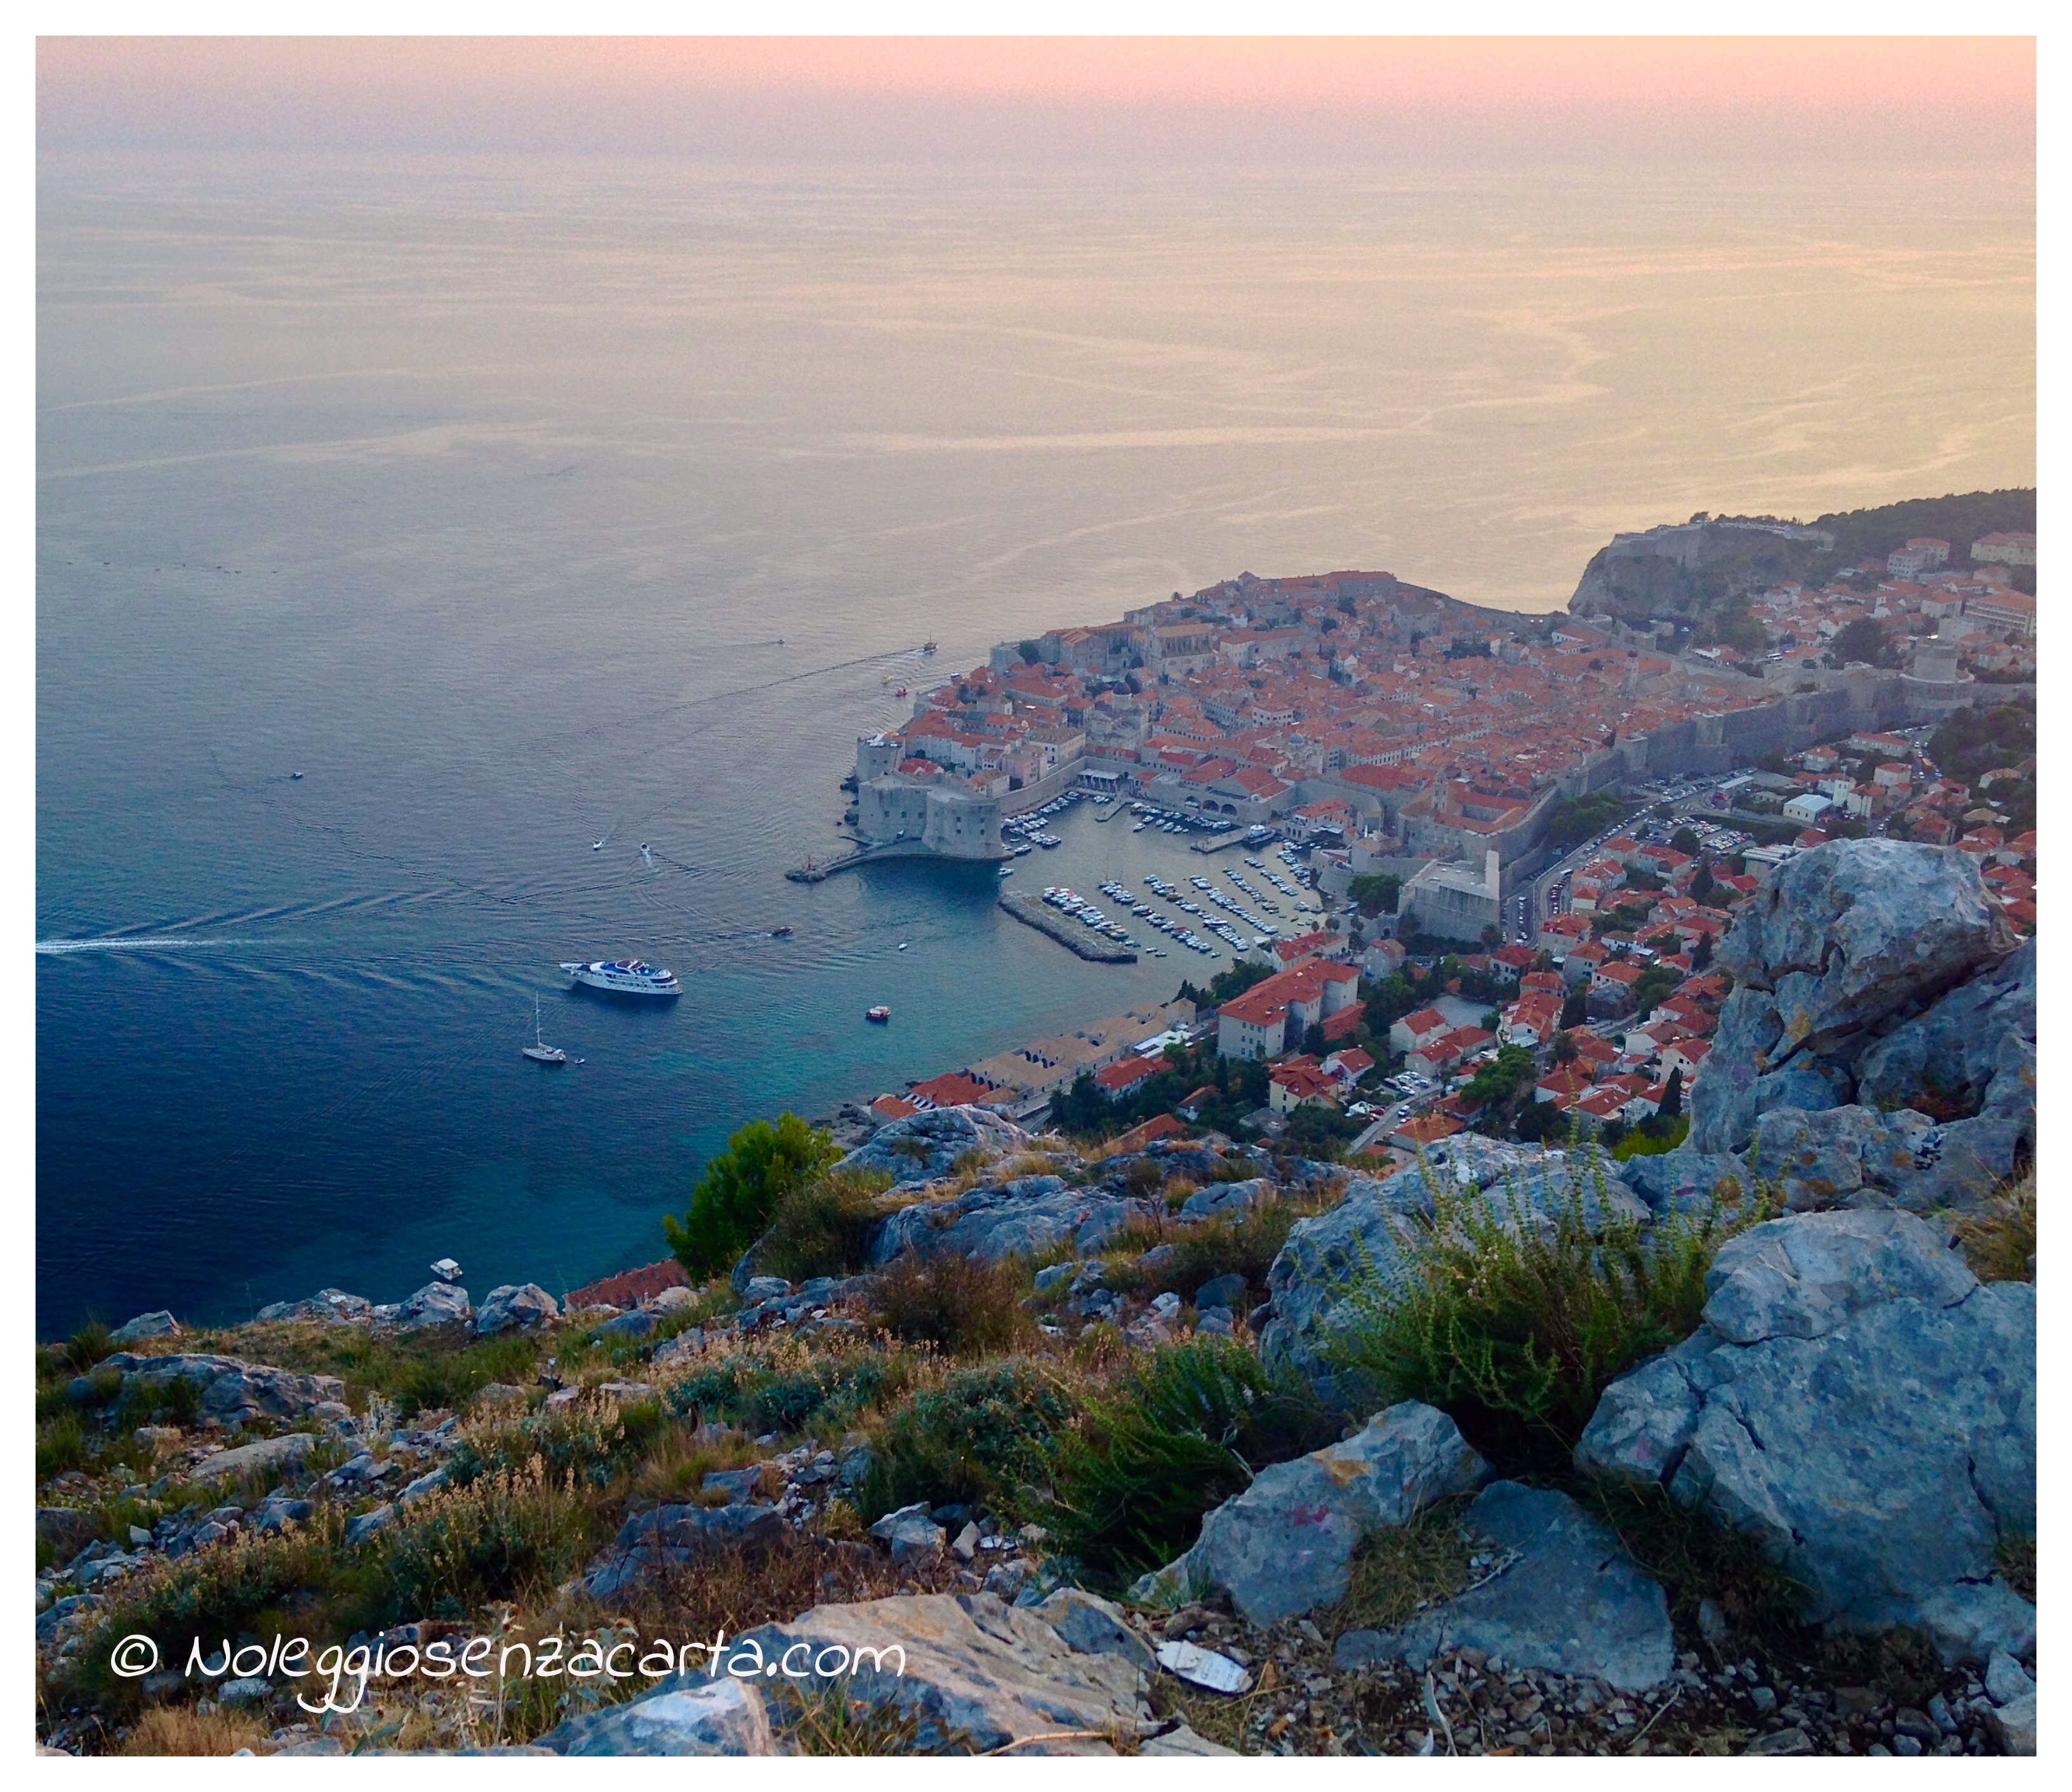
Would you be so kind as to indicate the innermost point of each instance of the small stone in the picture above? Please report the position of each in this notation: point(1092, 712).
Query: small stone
point(368, 1524)
point(1904, 1745)
point(242, 1692)
point(1918, 1724)
point(1764, 1700)
point(2005, 1680)
point(1787, 1742)
point(966, 1544)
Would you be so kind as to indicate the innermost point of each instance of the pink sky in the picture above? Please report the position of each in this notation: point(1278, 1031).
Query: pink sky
point(1984, 88)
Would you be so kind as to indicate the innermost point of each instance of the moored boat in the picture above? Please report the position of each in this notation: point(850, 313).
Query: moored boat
point(627, 976)
point(881, 1014)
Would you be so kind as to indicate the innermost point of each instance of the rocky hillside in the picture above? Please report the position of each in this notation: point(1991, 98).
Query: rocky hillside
point(992, 1444)
point(1688, 572)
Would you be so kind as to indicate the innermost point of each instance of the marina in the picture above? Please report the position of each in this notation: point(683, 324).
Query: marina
point(1031, 911)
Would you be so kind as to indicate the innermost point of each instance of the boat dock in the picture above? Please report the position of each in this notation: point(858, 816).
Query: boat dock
point(1068, 934)
point(1220, 843)
point(814, 872)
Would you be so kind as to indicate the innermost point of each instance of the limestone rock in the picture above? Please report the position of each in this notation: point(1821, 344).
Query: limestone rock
point(329, 1306)
point(369, 1524)
point(909, 1534)
point(515, 1305)
point(1284, 1545)
point(435, 1304)
point(144, 1325)
point(1848, 933)
point(288, 1451)
point(1843, 1156)
point(1974, 1049)
point(2013, 1724)
point(926, 1146)
point(1572, 1603)
point(1857, 1402)
point(1181, 1740)
point(1684, 1181)
point(1027, 1216)
point(957, 1663)
point(1224, 1200)
point(1723, 1109)
point(672, 1539)
point(685, 1715)
point(1227, 1292)
point(1093, 1627)
point(231, 1390)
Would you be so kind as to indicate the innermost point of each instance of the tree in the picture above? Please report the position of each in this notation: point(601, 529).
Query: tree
point(1685, 839)
point(1032, 651)
point(1512, 1069)
point(1543, 1122)
point(1575, 1009)
point(1864, 640)
point(1701, 885)
point(1564, 1048)
point(1672, 1097)
point(741, 1187)
point(1375, 893)
point(1701, 959)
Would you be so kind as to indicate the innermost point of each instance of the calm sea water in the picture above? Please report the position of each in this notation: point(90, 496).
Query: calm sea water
point(524, 506)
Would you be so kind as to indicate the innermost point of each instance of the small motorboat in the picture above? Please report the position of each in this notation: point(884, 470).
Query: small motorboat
point(881, 1014)
point(294, 775)
point(540, 1051)
point(446, 1270)
point(597, 846)
point(780, 933)
point(927, 647)
point(902, 945)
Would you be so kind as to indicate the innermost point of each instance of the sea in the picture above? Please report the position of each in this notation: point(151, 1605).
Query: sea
point(448, 569)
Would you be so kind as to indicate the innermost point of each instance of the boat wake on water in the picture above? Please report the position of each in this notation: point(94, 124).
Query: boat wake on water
point(62, 946)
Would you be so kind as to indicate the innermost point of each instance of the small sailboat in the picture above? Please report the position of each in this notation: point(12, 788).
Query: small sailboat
point(294, 775)
point(540, 1051)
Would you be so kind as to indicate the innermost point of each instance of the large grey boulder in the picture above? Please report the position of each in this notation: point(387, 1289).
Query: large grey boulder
point(144, 1325)
point(1973, 1051)
point(926, 1146)
point(231, 1389)
point(1854, 930)
point(686, 1714)
point(954, 1662)
point(1723, 1099)
point(515, 1306)
point(1225, 1200)
point(1285, 1546)
point(1859, 1156)
point(329, 1306)
point(1022, 1216)
point(1858, 1402)
point(1571, 1602)
point(287, 1452)
point(435, 1304)
point(1684, 1181)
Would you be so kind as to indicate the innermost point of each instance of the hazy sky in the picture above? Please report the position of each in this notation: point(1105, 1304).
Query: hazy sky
point(1256, 101)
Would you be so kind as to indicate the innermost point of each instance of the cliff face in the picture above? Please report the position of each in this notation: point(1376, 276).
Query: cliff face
point(1687, 572)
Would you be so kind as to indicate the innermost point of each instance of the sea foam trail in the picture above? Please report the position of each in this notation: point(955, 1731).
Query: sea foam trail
point(126, 945)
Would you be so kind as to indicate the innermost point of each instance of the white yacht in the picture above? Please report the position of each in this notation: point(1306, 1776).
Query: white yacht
point(540, 1051)
point(627, 976)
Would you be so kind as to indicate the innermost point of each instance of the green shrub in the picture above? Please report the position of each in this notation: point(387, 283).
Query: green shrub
point(86, 1347)
point(824, 1227)
point(1514, 1321)
point(1177, 1435)
point(785, 1389)
point(586, 1442)
point(980, 1436)
point(60, 1446)
point(741, 1187)
point(969, 1309)
point(504, 1536)
point(176, 1401)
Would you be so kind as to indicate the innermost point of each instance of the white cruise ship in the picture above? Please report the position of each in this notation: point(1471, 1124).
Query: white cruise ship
point(627, 976)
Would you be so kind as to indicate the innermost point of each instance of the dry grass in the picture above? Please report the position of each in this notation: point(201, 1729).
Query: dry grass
point(1999, 1241)
point(181, 1730)
point(972, 1310)
point(1399, 1570)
